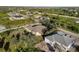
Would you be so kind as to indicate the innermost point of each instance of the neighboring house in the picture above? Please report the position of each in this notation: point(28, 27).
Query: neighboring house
point(29, 13)
point(77, 21)
point(2, 28)
point(60, 41)
point(36, 12)
point(15, 16)
point(36, 29)
point(37, 16)
point(44, 17)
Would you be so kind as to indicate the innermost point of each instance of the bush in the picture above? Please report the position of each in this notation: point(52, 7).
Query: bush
point(6, 47)
point(1, 42)
point(29, 49)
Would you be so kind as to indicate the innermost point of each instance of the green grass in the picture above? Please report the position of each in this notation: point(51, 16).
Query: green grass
point(26, 39)
point(8, 23)
point(3, 14)
point(66, 23)
point(4, 20)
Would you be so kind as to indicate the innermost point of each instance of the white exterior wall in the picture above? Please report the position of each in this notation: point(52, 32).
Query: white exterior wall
point(28, 30)
point(38, 34)
point(77, 21)
point(47, 41)
point(62, 47)
point(50, 42)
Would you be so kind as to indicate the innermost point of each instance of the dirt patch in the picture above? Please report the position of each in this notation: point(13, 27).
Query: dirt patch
point(42, 46)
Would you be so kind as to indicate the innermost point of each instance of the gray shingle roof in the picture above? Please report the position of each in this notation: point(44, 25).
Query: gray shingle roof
point(61, 38)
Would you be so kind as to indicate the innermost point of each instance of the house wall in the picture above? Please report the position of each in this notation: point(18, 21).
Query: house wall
point(47, 40)
point(77, 21)
point(28, 30)
point(38, 34)
point(52, 43)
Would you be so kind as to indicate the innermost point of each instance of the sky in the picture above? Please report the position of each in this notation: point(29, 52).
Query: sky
point(39, 3)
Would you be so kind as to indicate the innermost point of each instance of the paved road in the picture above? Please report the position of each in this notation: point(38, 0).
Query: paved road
point(64, 16)
point(10, 29)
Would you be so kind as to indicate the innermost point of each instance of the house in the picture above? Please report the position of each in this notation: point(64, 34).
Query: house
point(29, 13)
point(2, 28)
point(44, 17)
point(15, 16)
point(37, 12)
point(77, 21)
point(60, 41)
point(36, 29)
point(37, 16)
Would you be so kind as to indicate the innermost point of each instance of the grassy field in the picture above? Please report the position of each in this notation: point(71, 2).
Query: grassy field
point(18, 38)
point(4, 20)
point(65, 23)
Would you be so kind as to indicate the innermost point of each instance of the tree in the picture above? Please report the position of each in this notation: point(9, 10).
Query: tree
point(6, 47)
point(29, 49)
point(18, 36)
point(25, 32)
point(47, 23)
point(8, 32)
point(1, 42)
